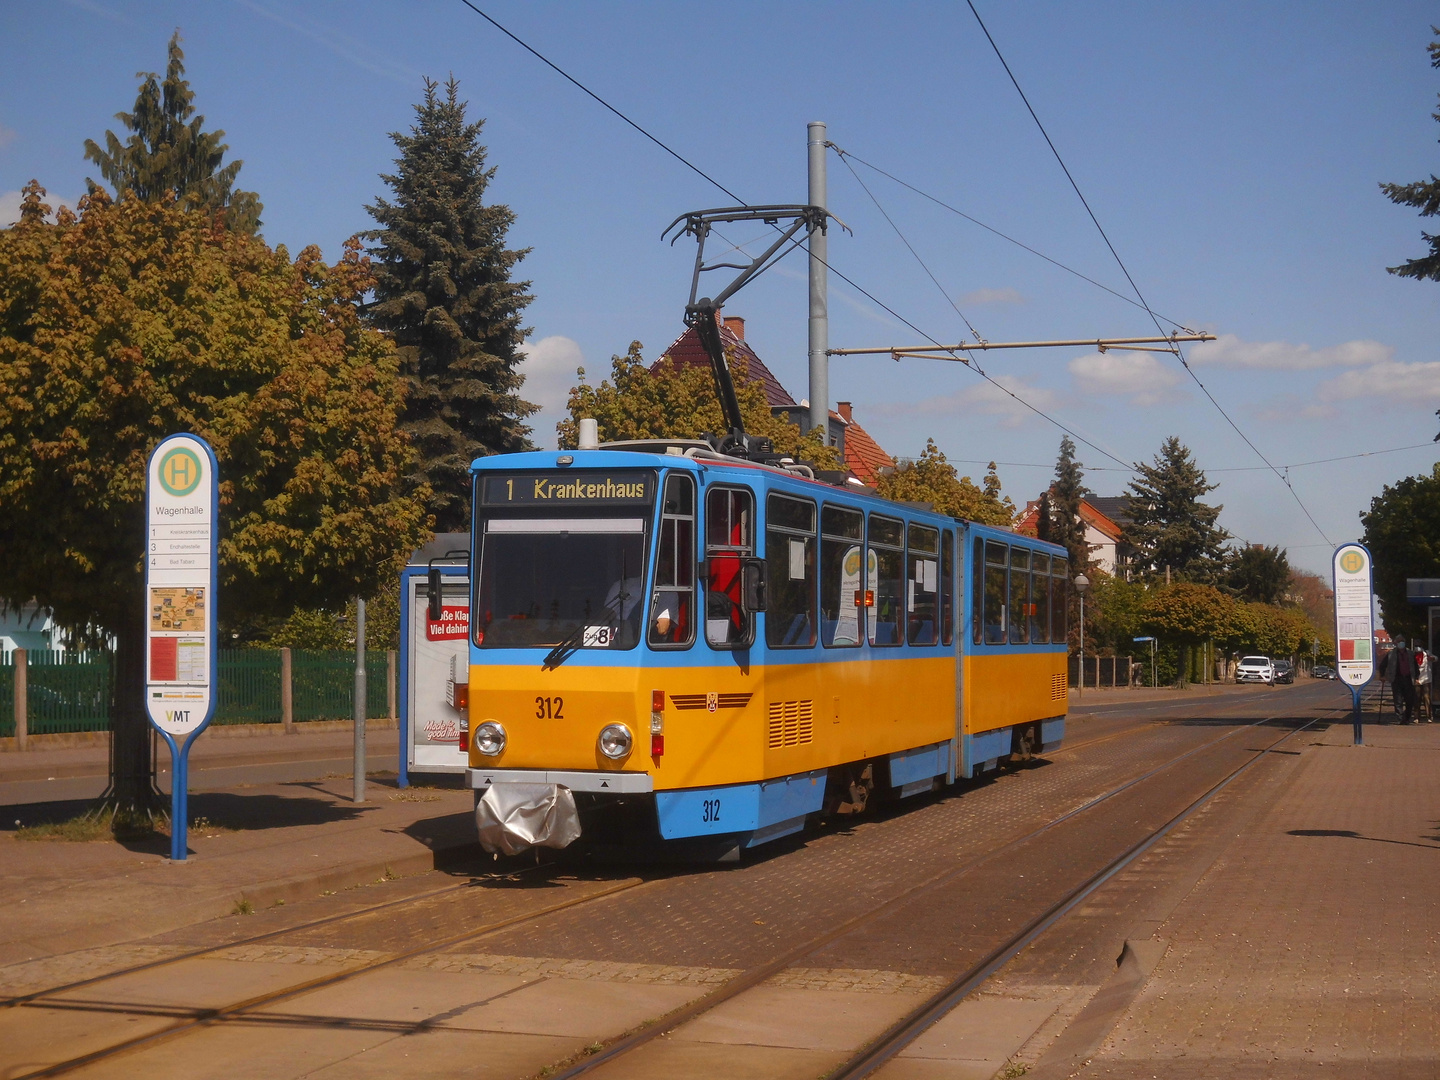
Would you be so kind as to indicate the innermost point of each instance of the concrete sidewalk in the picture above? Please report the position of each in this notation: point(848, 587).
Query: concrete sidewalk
point(1311, 946)
point(66, 768)
point(259, 844)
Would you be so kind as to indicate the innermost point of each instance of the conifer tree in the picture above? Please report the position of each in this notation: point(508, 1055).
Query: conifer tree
point(1169, 525)
point(444, 292)
point(169, 151)
point(1424, 195)
point(1066, 493)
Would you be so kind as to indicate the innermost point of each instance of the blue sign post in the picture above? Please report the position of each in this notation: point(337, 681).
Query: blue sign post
point(1354, 622)
point(181, 574)
point(1151, 640)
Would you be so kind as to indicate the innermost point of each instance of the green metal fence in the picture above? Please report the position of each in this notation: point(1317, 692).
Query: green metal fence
point(71, 691)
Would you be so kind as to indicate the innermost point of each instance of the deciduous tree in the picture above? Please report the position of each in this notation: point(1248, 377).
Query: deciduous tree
point(1169, 525)
point(443, 290)
point(679, 402)
point(139, 319)
point(1189, 614)
point(931, 478)
point(1402, 531)
point(170, 154)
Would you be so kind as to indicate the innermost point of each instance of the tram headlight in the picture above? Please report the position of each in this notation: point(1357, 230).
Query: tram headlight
point(616, 741)
point(489, 738)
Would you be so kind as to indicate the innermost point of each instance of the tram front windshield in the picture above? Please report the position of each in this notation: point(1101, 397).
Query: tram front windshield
point(543, 580)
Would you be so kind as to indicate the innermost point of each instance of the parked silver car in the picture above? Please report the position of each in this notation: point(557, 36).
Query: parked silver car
point(1255, 669)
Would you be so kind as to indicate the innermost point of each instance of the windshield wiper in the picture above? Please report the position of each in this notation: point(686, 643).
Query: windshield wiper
point(571, 642)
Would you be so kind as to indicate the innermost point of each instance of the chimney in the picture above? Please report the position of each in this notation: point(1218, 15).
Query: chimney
point(736, 325)
point(843, 408)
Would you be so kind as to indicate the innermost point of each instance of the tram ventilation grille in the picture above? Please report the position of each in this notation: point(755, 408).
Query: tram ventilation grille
point(1057, 687)
point(792, 723)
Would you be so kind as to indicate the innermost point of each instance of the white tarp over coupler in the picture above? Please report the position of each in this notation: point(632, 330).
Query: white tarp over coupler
point(512, 818)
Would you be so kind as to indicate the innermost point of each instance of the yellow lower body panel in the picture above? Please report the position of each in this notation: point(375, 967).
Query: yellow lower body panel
point(1005, 689)
point(721, 725)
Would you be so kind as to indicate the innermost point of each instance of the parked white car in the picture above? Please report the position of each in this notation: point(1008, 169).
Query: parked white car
point(1255, 669)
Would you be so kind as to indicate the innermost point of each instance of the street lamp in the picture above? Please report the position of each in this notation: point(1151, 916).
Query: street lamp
point(1081, 584)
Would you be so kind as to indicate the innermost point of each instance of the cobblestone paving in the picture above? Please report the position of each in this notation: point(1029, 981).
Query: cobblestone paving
point(549, 967)
point(741, 916)
point(1311, 949)
point(33, 975)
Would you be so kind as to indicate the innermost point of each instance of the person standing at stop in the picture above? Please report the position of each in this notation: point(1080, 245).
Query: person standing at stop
point(1402, 679)
point(1424, 668)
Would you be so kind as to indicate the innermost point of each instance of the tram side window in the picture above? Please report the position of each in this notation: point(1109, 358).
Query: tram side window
point(995, 590)
point(672, 604)
point(1039, 598)
point(887, 579)
point(729, 539)
point(1059, 586)
point(842, 584)
point(977, 592)
point(922, 586)
point(790, 569)
point(947, 588)
point(1019, 595)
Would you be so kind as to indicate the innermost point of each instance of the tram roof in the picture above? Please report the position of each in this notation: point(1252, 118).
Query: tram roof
point(618, 458)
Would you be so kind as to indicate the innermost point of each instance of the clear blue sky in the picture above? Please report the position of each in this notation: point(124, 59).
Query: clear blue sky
point(1231, 151)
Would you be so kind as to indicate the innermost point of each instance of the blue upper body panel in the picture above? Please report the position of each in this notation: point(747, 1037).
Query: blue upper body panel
point(762, 480)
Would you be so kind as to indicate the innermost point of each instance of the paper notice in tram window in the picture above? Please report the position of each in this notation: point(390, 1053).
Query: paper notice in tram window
point(797, 560)
point(597, 636)
point(928, 575)
point(910, 596)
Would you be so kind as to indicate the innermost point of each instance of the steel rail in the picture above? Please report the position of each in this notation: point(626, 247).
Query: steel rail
point(269, 935)
point(202, 1017)
point(747, 980)
point(909, 1028)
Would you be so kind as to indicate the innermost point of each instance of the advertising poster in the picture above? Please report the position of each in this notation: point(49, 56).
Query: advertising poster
point(440, 677)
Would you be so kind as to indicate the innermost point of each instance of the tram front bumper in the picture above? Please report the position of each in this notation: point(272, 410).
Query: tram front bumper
point(519, 809)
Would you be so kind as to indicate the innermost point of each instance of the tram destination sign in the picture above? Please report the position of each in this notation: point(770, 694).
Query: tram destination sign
point(1354, 615)
point(565, 488)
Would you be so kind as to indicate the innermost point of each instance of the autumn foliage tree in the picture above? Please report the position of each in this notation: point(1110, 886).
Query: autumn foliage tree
point(931, 478)
point(139, 319)
point(679, 402)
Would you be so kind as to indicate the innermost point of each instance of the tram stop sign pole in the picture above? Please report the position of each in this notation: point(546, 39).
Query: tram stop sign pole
point(1354, 622)
point(181, 567)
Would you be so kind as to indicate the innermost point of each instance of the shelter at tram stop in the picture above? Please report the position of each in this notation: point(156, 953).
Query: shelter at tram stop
point(1425, 592)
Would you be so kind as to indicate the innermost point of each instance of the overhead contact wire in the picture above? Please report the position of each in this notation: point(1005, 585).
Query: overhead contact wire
point(1138, 294)
point(795, 243)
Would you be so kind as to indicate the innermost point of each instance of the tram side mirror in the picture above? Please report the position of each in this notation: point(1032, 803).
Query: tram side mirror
point(753, 586)
point(432, 594)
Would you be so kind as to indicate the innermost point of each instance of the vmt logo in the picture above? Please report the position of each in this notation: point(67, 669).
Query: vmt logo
point(180, 471)
point(177, 716)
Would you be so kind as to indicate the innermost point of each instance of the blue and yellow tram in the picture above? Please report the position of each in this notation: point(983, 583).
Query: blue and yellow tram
point(708, 648)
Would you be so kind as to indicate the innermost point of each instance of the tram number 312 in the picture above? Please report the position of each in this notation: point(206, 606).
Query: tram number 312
point(710, 810)
point(548, 708)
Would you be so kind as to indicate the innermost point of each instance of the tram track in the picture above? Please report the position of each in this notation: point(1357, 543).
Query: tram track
point(187, 1021)
point(904, 1032)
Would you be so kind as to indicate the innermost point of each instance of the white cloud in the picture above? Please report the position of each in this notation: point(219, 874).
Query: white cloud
point(984, 398)
point(549, 370)
point(1139, 376)
point(992, 296)
point(1400, 382)
point(1230, 351)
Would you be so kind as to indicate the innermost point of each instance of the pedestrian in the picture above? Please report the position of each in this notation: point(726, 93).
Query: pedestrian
point(1402, 679)
point(1424, 667)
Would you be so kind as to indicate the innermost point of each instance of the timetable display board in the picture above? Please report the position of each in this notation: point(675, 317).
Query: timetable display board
point(180, 577)
point(1354, 614)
